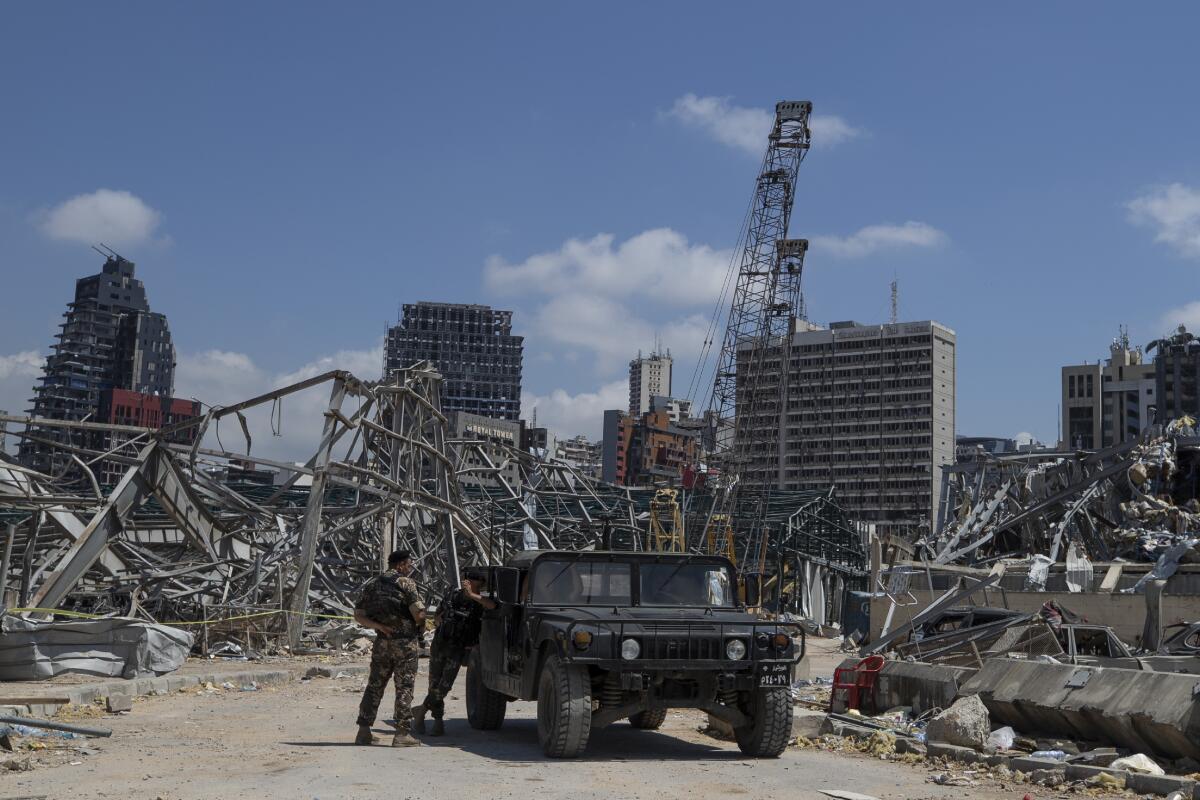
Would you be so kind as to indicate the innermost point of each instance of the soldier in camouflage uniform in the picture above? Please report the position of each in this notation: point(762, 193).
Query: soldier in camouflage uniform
point(390, 605)
point(458, 619)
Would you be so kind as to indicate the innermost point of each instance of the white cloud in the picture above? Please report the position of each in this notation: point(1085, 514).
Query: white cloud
point(1187, 314)
point(746, 129)
point(27, 364)
point(105, 215)
point(829, 130)
point(1173, 212)
point(613, 333)
point(18, 373)
point(568, 414)
point(218, 377)
point(658, 263)
point(876, 238)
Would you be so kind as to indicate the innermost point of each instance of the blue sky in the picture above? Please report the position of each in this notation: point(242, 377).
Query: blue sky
point(285, 175)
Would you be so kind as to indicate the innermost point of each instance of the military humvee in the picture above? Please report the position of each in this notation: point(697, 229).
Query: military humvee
point(597, 637)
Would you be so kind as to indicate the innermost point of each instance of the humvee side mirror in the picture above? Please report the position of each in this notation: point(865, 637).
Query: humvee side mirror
point(506, 583)
point(752, 590)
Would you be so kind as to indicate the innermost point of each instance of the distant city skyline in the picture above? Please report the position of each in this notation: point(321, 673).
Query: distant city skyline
point(279, 222)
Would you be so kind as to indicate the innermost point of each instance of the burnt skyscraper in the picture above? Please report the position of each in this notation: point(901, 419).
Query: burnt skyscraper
point(471, 345)
point(109, 339)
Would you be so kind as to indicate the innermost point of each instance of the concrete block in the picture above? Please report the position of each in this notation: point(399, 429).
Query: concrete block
point(922, 686)
point(1148, 712)
point(1029, 764)
point(1081, 772)
point(1159, 784)
point(952, 751)
point(996, 759)
point(1047, 777)
point(83, 695)
point(118, 702)
point(836, 727)
point(906, 745)
point(807, 723)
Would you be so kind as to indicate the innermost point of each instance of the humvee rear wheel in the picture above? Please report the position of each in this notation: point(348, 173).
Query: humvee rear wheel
point(564, 712)
point(485, 707)
point(769, 727)
point(649, 720)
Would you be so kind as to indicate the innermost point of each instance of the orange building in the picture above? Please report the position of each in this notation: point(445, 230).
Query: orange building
point(652, 450)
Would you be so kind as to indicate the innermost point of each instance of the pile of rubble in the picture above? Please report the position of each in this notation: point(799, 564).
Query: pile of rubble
point(172, 543)
point(1138, 501)
point(963, 745)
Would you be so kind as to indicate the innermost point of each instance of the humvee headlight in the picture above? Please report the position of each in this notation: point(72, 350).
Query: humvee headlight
point(630, 649)
point(582, 640)
point(735, 649)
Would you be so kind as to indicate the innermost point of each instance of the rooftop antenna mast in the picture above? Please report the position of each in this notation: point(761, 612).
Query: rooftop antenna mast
point(895, 300)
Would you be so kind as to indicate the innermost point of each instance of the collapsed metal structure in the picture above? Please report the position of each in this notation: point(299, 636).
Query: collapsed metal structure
point(173, 540)
point(1137, 501)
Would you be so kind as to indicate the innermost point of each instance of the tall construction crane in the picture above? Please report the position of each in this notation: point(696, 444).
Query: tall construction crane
point(750, 380)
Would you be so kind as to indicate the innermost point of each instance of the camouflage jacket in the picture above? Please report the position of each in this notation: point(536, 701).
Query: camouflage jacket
point(389, 598)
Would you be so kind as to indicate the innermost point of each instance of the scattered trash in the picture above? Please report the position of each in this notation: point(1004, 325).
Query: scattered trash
point(228, 650)
point(1052, 755)
point(1001, 739)
point(1138, 763)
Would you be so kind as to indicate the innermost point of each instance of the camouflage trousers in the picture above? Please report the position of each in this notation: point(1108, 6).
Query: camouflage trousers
point(444, 661)
point(394, 659)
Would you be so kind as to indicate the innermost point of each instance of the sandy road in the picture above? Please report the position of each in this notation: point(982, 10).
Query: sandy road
point(294, 742)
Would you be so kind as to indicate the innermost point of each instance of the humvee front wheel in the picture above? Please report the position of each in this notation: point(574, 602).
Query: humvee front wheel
point(649, 720)
point(564, 713)
point(769, 725)
point(485, 707)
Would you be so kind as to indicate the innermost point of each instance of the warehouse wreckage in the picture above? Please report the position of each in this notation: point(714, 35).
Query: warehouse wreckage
point(171, 542)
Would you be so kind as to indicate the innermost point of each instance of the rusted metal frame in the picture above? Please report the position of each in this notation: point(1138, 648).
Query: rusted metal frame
point(311, 521)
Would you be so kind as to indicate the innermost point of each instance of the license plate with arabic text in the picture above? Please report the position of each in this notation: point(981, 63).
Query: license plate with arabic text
point(771, 675)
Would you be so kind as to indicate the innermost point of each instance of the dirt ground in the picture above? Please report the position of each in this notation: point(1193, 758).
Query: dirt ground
point(295, 742)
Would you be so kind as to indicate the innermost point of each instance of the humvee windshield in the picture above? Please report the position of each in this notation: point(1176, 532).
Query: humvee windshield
point(684, 585)
point(605, 583)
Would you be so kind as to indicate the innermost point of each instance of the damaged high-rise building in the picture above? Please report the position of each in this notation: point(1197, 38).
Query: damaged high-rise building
point(866, 409)
point(472, 346)
point(109, 339)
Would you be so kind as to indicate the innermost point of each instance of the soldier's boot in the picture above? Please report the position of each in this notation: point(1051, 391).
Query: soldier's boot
point(405, 740)
point(439, 727)
point(364, 735)
point(418, 720)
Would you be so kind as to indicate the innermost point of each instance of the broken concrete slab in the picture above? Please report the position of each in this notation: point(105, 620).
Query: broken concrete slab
point(1150, 712)
point(921, 686)
point(807, 724)
point(965, 723)
point(1160, 784)
point(1031, 764)
point(115, 703)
